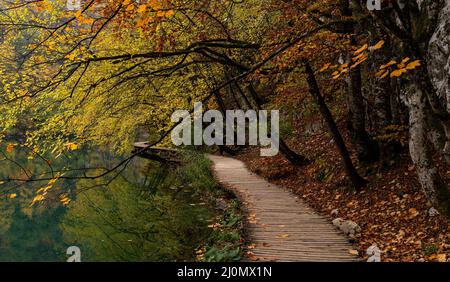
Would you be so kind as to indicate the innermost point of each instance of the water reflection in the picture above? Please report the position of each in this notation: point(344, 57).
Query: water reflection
point(148, 212)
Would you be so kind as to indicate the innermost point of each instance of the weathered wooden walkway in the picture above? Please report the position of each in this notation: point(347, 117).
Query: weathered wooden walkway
point(281, 226)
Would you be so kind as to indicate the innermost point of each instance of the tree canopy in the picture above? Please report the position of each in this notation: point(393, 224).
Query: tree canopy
point(101, 74)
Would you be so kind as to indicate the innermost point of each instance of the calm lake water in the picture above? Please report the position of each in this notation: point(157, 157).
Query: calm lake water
point(148, 212)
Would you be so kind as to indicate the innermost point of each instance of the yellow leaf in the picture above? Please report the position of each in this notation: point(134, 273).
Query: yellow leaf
point(78, 14)
point(170, 13)
point(71, 146)
point(142, 9)
point(283, 235)
point(12, 196)
point(129, 8)
point(65, 201)
point(89, 21)
point(38, 198)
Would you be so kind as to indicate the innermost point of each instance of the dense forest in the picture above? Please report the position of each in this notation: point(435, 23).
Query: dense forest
point(363, 95)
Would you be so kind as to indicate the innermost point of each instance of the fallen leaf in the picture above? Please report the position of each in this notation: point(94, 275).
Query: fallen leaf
point(251, 246)
point(441, 258)
point(413, 212)
point(353, 252)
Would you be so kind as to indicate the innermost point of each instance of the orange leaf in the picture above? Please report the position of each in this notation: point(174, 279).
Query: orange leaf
point(393, 62)
point(413, 65)
point(398, 73)
point(325, 68)
point(378, 45)
point(362, 49)
point(10, 148)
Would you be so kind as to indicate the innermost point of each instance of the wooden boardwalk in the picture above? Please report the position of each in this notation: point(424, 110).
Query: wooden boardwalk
point(281, 226)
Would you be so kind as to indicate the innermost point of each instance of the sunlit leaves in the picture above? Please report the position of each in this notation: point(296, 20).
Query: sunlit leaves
point(390, 63)
point(72, 146)
point(393, 69)
point(360, 55)
point(398, 72)
point(413, 65)
point(64, 199)
point(42, 192)
point(37, 198)
point(360, 50)
point(377, 46)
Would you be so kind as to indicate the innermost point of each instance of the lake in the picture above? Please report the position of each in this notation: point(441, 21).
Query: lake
point(146, 212)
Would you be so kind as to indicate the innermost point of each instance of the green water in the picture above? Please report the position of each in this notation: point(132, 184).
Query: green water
point(148, 212)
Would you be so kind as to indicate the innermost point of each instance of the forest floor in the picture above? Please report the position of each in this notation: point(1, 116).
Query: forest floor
point(392, 211)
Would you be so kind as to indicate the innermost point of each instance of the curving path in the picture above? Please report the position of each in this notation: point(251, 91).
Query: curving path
point(281, 227)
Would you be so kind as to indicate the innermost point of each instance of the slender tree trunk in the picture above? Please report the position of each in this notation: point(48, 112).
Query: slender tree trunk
point(255, 95)
point(365, 147)
point(357, 181)
point(292, 156)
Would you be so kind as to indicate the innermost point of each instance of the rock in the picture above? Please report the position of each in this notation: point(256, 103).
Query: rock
point(221, 205)
point(421, 260)
point(433, 212)
point(374, 254)
point(348, 227)
point(334, 213)
point(338, 222)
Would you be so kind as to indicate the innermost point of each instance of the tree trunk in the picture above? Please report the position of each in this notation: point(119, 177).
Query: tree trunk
point(365, 147)
point(292, 156)
point(357, 181)
point(429, 177)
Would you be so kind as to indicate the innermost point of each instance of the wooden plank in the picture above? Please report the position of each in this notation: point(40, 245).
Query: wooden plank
point(278, 212)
